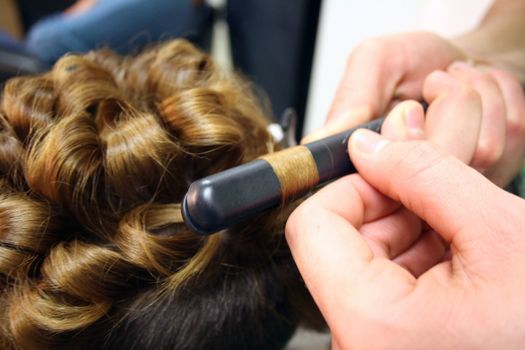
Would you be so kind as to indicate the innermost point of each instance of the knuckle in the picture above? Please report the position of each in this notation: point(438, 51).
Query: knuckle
point(459, 89)
point(297, 217)
point(366, 50)
point(466, 93)
point(434, 81)
point(504, 77)
point(474, 77)
point(371, 45)
point(463, 92)
point(515, 96)
point(437, 75)
point(516, 127)
point(487, 154)
point(486, 77)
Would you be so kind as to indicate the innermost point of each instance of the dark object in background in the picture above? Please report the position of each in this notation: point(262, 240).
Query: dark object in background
point(31, 11)
point(124, 26)
point(14, 63)
point(16, 60)
point(273, 44)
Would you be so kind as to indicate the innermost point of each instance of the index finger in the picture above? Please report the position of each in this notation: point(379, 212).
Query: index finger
point(384, 69)
point(368, 83)
point(330, 252)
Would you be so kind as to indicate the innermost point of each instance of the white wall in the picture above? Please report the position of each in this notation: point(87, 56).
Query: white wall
point(344, 23)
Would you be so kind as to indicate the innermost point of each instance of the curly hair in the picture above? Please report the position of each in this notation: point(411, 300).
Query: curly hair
point(95, 157)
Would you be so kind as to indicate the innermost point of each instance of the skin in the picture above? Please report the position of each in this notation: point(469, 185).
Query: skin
point(419, 251)
point(80, 6)
point(422, 249)
point(383, 71)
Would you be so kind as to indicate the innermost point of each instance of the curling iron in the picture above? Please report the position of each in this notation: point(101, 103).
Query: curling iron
point(237, 194)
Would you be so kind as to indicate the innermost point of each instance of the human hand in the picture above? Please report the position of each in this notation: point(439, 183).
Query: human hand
point(500, 148)
point(384, 70)
point(381, 72)
point(477, 114)
point(418, 251)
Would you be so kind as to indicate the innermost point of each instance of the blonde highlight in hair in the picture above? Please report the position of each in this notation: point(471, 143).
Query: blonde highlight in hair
point(95, 157)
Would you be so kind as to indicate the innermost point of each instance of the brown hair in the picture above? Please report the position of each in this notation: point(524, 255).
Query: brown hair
point(95, 157)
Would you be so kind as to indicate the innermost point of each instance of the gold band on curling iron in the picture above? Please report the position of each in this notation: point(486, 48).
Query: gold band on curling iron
point(287, 163)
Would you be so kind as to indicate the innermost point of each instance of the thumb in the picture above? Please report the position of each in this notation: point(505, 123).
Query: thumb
point(455, 200)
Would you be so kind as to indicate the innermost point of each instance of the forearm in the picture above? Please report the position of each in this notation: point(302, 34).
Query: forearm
point(500, 38)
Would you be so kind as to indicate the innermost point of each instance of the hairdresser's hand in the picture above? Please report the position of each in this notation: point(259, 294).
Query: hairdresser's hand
point(500, 147)
point(471, 117)
point(385, 279)
point(382, 71)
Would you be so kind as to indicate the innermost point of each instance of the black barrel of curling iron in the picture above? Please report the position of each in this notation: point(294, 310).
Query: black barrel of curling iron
point(237, 194)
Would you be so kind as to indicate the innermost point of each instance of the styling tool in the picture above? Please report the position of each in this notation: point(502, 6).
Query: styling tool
point(237, 194)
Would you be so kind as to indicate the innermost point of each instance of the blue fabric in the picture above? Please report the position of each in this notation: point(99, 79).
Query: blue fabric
point(125, 26)
point(7, 42)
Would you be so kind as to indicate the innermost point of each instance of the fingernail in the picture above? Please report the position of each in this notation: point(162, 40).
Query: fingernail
point(414, 120)
point(368, 141)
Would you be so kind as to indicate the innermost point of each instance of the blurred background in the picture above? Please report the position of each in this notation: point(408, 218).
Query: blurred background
point(293, 50)
point(271, 42)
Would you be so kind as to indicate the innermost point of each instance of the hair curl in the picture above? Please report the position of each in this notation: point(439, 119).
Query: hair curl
point(95, 156)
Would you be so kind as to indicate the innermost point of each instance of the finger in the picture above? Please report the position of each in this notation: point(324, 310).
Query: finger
point(353, 199)
point(381, 70)
point(372, 72)
point(405, 122)
point(335, 345)
point(347, 121)
point(393, 234)
point(453, 118)
point(512, 159)
point(426, 252)
point(493, 130)
point(472, 215)
point(332, 256)
point(438, 188)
